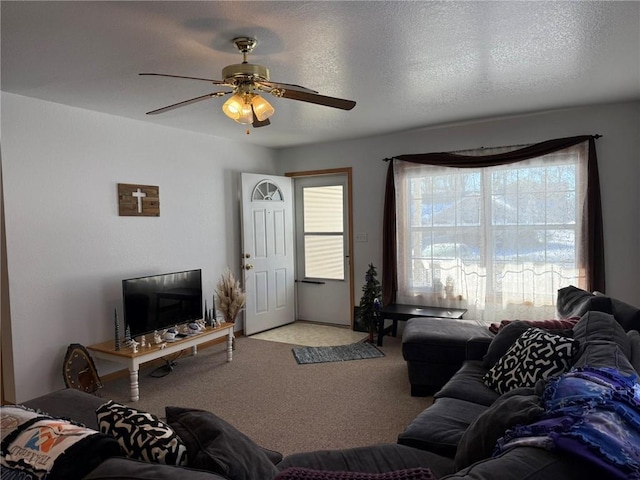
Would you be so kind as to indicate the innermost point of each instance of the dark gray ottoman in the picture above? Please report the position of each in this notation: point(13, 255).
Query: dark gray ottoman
point(434, 349)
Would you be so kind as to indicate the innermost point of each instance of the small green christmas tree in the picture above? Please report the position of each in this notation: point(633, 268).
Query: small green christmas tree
point(370, 303)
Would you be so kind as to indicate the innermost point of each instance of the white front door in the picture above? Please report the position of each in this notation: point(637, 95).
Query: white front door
point(322, 249)
point(268, 257)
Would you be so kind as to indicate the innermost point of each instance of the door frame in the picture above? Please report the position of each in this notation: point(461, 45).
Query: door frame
point(348, 171)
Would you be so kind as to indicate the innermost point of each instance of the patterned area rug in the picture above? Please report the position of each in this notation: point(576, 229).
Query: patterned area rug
point(340, 353)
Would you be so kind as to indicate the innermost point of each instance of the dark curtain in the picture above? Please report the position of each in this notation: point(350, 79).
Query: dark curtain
point(594, 256)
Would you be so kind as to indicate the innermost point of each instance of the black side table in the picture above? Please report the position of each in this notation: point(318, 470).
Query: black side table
point(399, 312)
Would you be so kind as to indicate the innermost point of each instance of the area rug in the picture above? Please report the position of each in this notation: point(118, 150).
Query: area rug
point(305, 334)
point(339, 353)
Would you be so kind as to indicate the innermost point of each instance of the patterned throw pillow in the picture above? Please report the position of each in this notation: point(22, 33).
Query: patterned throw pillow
point(36, 446)
point(142, 435)
point(535, 355)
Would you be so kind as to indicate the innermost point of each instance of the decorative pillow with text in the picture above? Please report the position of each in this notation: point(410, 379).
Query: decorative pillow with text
point(38, 446)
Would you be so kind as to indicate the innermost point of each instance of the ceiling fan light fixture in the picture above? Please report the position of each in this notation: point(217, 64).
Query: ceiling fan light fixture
point(238, 108)
point(262, 108)
point(246, 115)
point(232, 108)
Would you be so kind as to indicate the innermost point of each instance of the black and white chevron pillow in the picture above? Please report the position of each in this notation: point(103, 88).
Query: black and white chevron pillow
point(535, 355)
point(141, 435)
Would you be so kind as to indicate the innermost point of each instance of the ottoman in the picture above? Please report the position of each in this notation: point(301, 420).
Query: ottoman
point(434, 349)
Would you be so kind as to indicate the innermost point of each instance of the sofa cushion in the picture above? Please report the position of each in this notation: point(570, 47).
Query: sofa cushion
point(298, 473)
point(426, 377)
point(273, 456)
point(634, 342)
point(527, 463)
point(519, 406)
point(534, 356)
point(603, 343)
point(503, 341)
point(440, 427)
point(130, 469)
point(38, 446)
point(141, 435)
point(371, 459)
point(69, 403)
point(476, 347)
point(574, 302)
point(467, 384)
point(217, 446)
point(599, 326)
point(627, 315)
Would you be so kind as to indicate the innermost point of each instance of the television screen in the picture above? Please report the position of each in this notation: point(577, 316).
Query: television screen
point(161, 301)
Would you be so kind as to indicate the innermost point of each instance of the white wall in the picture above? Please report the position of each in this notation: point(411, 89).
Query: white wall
point(67, 248)
point(618, 160)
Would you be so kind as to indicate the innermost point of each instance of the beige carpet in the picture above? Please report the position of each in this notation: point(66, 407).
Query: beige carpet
point(282, 405)
point(311, 335)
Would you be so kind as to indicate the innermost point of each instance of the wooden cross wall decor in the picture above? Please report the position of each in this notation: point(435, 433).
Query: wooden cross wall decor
point(138, 200)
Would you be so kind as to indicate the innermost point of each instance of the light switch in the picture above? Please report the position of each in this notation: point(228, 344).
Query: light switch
point(361, 237)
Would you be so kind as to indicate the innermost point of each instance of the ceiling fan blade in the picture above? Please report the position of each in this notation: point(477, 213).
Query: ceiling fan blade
point(319, 99)
point(258, 123)
point(187, 102)
point(285, 86)
point(215, 82)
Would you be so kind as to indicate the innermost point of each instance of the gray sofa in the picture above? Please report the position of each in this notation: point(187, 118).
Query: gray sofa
point(455, 438)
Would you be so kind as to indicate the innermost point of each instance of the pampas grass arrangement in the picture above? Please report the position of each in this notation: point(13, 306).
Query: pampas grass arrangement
point(231, 298)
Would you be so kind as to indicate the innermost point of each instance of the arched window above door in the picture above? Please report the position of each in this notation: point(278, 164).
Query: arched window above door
point(267, 190)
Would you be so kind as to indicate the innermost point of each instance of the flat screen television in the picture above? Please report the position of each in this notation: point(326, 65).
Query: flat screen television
point(158, 302)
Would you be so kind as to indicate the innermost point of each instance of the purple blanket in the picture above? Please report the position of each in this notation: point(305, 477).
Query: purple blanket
point(592, 413)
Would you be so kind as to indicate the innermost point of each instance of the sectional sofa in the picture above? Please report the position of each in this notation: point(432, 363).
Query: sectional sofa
point(527, 403)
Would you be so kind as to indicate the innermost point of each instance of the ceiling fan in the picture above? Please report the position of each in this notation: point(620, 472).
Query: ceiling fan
point(246, 81)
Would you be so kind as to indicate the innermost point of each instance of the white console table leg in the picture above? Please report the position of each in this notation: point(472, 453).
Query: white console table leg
point(230, 346)
point(135, 391)
point(194, 350)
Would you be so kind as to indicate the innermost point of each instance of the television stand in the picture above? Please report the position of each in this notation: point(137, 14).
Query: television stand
point(106, 351)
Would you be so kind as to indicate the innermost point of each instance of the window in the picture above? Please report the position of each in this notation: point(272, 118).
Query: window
point(497, 240)
point(323, 232)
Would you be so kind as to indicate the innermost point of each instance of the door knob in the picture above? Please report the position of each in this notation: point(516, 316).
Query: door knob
point(247, 255)
point(248, 266)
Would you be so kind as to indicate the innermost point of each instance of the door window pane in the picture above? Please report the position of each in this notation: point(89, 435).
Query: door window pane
point(324, 256)
point(323, 209)
point(323, 232)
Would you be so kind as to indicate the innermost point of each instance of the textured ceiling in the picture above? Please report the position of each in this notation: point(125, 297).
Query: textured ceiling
point(406, 64)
